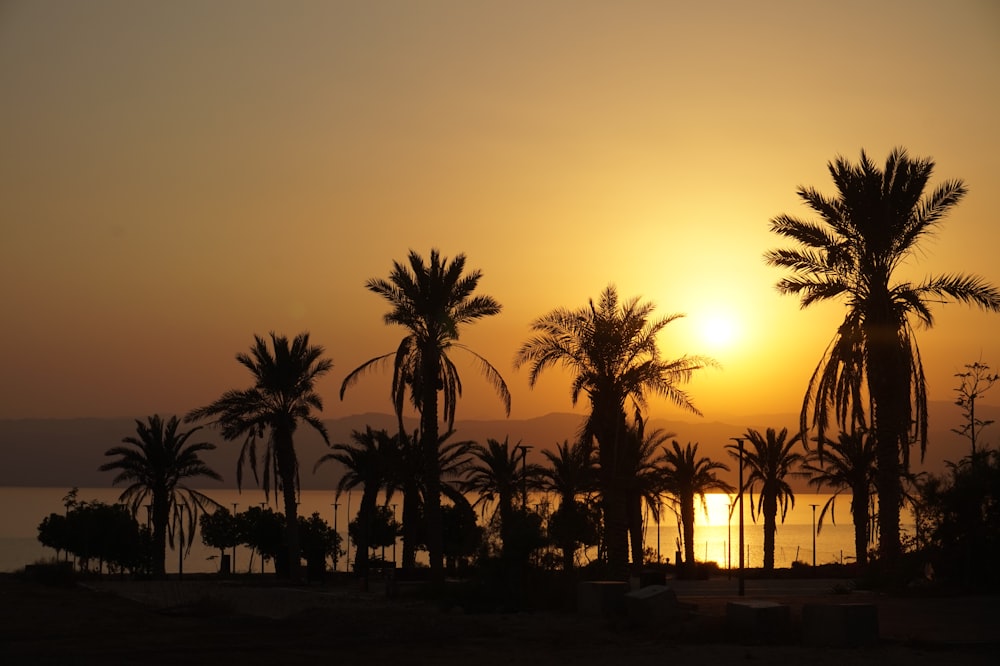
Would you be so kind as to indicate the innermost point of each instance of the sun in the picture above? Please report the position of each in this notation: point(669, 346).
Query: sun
point(718, 330)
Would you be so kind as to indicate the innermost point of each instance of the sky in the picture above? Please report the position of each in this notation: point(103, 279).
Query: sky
point(177, 177)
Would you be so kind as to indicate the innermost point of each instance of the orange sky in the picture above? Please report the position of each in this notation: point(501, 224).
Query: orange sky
point(175, 177)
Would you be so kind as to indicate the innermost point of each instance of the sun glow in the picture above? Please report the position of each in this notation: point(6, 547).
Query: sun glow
point(718, 330)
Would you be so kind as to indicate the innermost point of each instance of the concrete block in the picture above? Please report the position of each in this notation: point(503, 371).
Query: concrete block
point(758, 621)
point(840, 625)
point(601, 597)
point(655, 605)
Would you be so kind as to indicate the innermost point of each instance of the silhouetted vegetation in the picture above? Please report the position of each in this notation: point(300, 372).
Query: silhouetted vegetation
point(868, 230)
point(611, 349)
point(282, 397)
point(432, 302)
point(95, 532)
point(156, 463)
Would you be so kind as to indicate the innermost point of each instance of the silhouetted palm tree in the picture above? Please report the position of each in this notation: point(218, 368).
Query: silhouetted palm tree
point(432, 302)
point(641, 450)
point(846, 463)
point(571, 474)
point(872, 226)
point(498, 475)
point(770, 460)
point(282, 397)
point(685, 476)
point(610, 347)
point(155, 464)
point(369, 463)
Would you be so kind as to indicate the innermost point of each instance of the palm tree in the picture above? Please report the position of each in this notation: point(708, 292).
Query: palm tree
point(770, 461)
point(498, 475)
point(283, 396)
point(432, 302)
point(571, 473)
point(640, 454)
point(611, 349)
point(870, 228)
point(685, 476)
point(368, 462)
point(156, 463)
point(847, 463)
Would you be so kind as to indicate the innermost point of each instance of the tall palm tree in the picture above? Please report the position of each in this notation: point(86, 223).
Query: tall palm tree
point(368, 462)
point(846, 463)
point(283, 395)
point(156, 463)
point(432, 302)
point(570, 474)
point(770, 461)
point(685, 475)
point(869, 229)
point(611, 348)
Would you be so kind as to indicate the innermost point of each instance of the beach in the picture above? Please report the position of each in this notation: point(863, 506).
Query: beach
point(210, 622)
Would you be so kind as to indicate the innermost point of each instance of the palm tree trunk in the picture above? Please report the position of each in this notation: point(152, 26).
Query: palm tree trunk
point(431, 363)
point(161, 514)
point(770, 509)
point(634, 504)
point(366, 513)
point(859, 513)
point(687, 520)
point(888, 382)
point(411, 526)
point(616, 531)
point(285, 454)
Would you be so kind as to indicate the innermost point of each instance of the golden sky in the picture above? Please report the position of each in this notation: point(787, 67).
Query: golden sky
point(177, 176)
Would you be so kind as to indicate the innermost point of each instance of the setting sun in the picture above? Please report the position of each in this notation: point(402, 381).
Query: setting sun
point(719, 330)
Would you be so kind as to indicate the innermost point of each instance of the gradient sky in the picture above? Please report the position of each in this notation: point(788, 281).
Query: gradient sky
point(177, 176)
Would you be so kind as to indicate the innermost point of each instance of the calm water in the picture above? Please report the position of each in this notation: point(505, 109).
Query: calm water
point(24, 509)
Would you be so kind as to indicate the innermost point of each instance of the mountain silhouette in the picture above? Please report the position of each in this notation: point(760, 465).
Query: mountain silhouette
point(67, 452)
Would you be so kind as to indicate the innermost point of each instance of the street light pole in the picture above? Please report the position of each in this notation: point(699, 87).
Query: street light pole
point(395, 537)
point(336, 544)
point(233, 568)
point(814, 534)
point(524, 472)
point(742, 582)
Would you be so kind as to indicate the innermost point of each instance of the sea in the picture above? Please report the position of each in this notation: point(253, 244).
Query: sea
point(22, 509)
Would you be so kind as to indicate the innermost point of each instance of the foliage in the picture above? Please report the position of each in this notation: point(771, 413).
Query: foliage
point(959, 518)
point(381, 532)
point(432, 301)
point(865, 233)
point(156, 463)
point(462, 534)
point(846, 463)
point(770, 460)
point(685, 476)
point(97, 531)
point(220, 529)
point(283, 396)
point(976, 381)
point(318, 541)
point(611, 350)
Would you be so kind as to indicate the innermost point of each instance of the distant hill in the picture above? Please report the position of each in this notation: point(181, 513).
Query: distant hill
point(67, 452)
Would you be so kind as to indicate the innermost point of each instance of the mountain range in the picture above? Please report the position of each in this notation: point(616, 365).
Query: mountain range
point(68, 452)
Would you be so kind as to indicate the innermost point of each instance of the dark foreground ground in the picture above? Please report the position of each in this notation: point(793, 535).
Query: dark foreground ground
point(204, 622)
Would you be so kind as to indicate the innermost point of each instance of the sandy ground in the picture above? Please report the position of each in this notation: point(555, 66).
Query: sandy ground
point(204, 622)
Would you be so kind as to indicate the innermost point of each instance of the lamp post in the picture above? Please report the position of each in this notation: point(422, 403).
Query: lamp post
point(524, 472)
point(742, 582)
point(729, 540)
point(395, 537)
point(336, 546)
point(348, 563)
point(814, 534)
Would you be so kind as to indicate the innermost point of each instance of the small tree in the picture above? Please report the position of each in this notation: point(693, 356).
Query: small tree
point(975, 382)
point(318, 541)
point(219, 530)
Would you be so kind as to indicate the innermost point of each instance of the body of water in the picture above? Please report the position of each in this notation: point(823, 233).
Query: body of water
point(716, 538)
